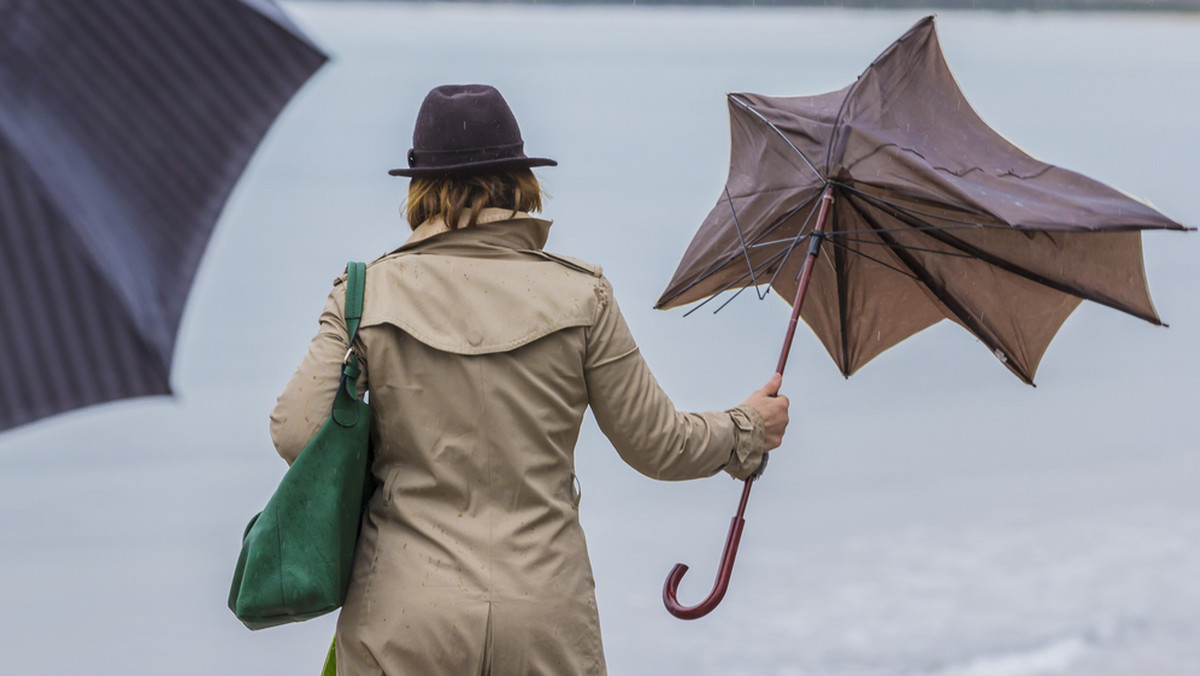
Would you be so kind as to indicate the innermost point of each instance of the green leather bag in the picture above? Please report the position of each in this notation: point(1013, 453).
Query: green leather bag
point(297, 553)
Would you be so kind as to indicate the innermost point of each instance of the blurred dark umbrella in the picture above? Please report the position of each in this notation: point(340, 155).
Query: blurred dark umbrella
point(124, 126)
point(903, 208)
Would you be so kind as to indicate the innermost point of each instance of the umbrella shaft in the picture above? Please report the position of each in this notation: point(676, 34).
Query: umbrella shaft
point(814, 248)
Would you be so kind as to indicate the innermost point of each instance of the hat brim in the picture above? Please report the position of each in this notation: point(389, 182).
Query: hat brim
point(478, 167)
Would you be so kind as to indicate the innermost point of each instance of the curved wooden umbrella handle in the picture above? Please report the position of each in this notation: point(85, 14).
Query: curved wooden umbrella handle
point(671, 586)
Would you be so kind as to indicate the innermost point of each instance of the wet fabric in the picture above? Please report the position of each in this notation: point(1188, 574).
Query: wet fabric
point(482, 353)
point(935, 216)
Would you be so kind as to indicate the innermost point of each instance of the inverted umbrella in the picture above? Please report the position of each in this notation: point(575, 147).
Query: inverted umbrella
point(890, 205)
point(124, 126)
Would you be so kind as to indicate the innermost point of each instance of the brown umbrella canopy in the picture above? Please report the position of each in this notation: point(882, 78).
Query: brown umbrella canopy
point(934, 216)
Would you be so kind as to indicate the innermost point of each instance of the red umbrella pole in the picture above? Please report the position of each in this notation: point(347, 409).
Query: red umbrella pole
point(814, 248)
point(738, 523)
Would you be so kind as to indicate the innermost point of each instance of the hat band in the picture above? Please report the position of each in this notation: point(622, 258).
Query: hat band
point(446, 158)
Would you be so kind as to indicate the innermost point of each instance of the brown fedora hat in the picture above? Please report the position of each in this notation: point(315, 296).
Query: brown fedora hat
point(465, 129)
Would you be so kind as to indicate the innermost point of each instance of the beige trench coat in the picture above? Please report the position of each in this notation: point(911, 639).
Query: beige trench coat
point(481, 353)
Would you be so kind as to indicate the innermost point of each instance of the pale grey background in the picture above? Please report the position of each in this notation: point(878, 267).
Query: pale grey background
point(931, 515)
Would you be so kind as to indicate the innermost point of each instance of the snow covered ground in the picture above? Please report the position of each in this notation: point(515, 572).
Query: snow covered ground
point(929, 517)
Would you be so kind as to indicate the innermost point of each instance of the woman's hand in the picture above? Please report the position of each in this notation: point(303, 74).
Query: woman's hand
point(774, 410)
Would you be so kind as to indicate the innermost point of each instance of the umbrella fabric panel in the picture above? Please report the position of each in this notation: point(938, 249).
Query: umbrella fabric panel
point(747, 258)
point(863, 299)
point(1105, 267)
point(59, 353)
point(1014, 316)
point(138, 117)
point(772, 178)
point(279, 20)
point(132, 120)
point(801, 124)
point(879, 280)
point(935, 215)
point(906, 127)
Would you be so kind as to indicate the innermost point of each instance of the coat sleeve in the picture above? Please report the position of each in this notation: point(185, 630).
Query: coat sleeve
point(308, 397)
point(642, 423)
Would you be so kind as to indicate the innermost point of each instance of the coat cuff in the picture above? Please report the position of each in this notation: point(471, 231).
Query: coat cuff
point(749, 432)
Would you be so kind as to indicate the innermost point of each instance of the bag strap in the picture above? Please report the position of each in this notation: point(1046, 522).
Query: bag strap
point(344, 411)
point(356, 281)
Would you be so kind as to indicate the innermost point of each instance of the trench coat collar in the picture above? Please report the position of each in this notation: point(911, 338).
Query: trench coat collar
point(494, 227)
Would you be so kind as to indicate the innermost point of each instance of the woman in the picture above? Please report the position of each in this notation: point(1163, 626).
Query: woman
point(481, 353)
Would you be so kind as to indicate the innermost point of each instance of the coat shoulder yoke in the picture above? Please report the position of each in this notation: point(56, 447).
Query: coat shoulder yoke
point(480, 299)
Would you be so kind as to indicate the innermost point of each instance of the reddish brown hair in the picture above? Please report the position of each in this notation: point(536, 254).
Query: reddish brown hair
point(453, 196)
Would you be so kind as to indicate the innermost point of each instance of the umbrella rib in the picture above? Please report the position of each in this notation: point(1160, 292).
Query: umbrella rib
point(842, 275)
point(837, 119)
point(955, 254)
point(795, 240)
point(873, 259)
point(973, 251)
point(727, 287)
point(742, 238)
point(774, 242)
point(730, 299)
point(940, 293)
point(792, 212)
point(777, 130)
point(877, 200)
point(730, 285)
point(915, 228)
point(712, 269)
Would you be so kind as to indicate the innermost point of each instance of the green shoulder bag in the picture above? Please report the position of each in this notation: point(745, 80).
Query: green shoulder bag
point(297, 553)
